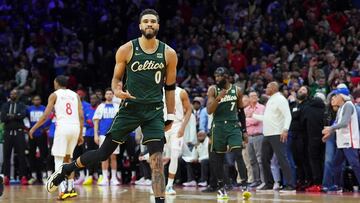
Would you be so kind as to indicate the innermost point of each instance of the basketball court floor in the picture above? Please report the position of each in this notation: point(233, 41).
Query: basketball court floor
point(140, 194)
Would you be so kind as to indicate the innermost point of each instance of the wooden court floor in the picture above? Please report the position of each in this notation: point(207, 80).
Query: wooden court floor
point(140, 194)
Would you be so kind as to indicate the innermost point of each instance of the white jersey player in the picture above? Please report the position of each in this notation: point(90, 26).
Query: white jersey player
point(175, 136)
point(68, 133)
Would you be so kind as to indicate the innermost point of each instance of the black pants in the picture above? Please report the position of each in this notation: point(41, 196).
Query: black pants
point(145, 169)
point(129, 146)
point(301, 157)
point(38, 165)
point(316, 159)
point(14, 139)
point(271, 145)
point(89, 144)
point(50, 164)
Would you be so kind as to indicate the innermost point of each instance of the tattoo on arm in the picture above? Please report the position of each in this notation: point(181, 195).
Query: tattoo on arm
point(157, 174)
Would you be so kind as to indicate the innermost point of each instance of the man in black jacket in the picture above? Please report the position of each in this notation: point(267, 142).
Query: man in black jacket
point(313, 121)
point(12, 115)
point(300, 138)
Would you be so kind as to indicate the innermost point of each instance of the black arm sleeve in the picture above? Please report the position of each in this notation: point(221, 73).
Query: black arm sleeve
point(242, 119)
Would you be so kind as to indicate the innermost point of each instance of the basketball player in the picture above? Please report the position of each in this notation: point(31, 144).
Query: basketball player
point(175, 136)
point(103, 117)
point(146, 61)
point(224, 102)
point(68, 132)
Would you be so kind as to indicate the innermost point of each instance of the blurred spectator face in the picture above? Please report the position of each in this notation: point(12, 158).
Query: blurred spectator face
point(94, 100)
point(13, 95)
point(269, 89)
point(263, 65)
point(109, 95)
point(81, 94)
point(149, 26)
point(196, 105)
point(322, 82)
point(253, 97)
point(36, 101)
point(99, 94)
point(27, 90)
point(253, 61)
point(302, 93)
point(296, 48)
point(245, 100)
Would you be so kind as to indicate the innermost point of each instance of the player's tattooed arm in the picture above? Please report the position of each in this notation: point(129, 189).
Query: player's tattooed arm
point(157, 174)
point(122, 56)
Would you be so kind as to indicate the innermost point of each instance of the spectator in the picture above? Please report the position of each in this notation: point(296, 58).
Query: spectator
point(255, 137)
point(34, 112)
point(314, 123)
point(276, 123)
point(299, 138)
point(347, 137)
point(21, 76)
point(12, 114)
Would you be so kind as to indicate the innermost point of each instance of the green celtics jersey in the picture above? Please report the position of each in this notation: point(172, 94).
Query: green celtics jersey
point(145, 74)
point(227, 109)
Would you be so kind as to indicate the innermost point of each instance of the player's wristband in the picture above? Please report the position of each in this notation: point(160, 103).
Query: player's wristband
point(170, 117)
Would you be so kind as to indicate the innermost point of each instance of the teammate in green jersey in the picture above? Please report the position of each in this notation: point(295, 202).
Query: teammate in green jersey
point(225, 103)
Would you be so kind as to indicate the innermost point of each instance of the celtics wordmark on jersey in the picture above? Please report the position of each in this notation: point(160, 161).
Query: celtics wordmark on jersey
point(145, 73)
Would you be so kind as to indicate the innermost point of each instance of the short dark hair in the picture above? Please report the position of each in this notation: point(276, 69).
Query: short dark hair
point(149, 11)
point(62, 80)
point(109, 89)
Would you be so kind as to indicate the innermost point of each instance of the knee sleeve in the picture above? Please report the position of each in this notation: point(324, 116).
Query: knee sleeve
point(174, 161)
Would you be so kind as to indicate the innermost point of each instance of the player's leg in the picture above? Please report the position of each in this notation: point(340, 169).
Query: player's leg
point(113, 159)
point(91, 169)
point(59, 160)
point(153, 137)
point(157, 169)
point(235, 144)
point(176, 145)
point(104, 180)
point(217, 152)
point(123, 124)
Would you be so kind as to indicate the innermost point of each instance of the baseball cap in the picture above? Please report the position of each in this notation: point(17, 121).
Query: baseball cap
point(198, 99)
point(221, 71)
point(344, 91)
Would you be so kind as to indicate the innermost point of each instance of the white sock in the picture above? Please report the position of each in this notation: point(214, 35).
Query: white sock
point(63, 186)
point(113, 174)
point(105, 174)
point(133, 173)
point(59, 160)
point(119, 174)
point(82, 174)
point(96, 176)
point(70, 184)
point(170, 182)
point(43, 174)
point(49, 173)
point(33, 174)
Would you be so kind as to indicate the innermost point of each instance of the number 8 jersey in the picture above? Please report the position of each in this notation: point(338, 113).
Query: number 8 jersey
point(66, 107)
point(145, 73)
